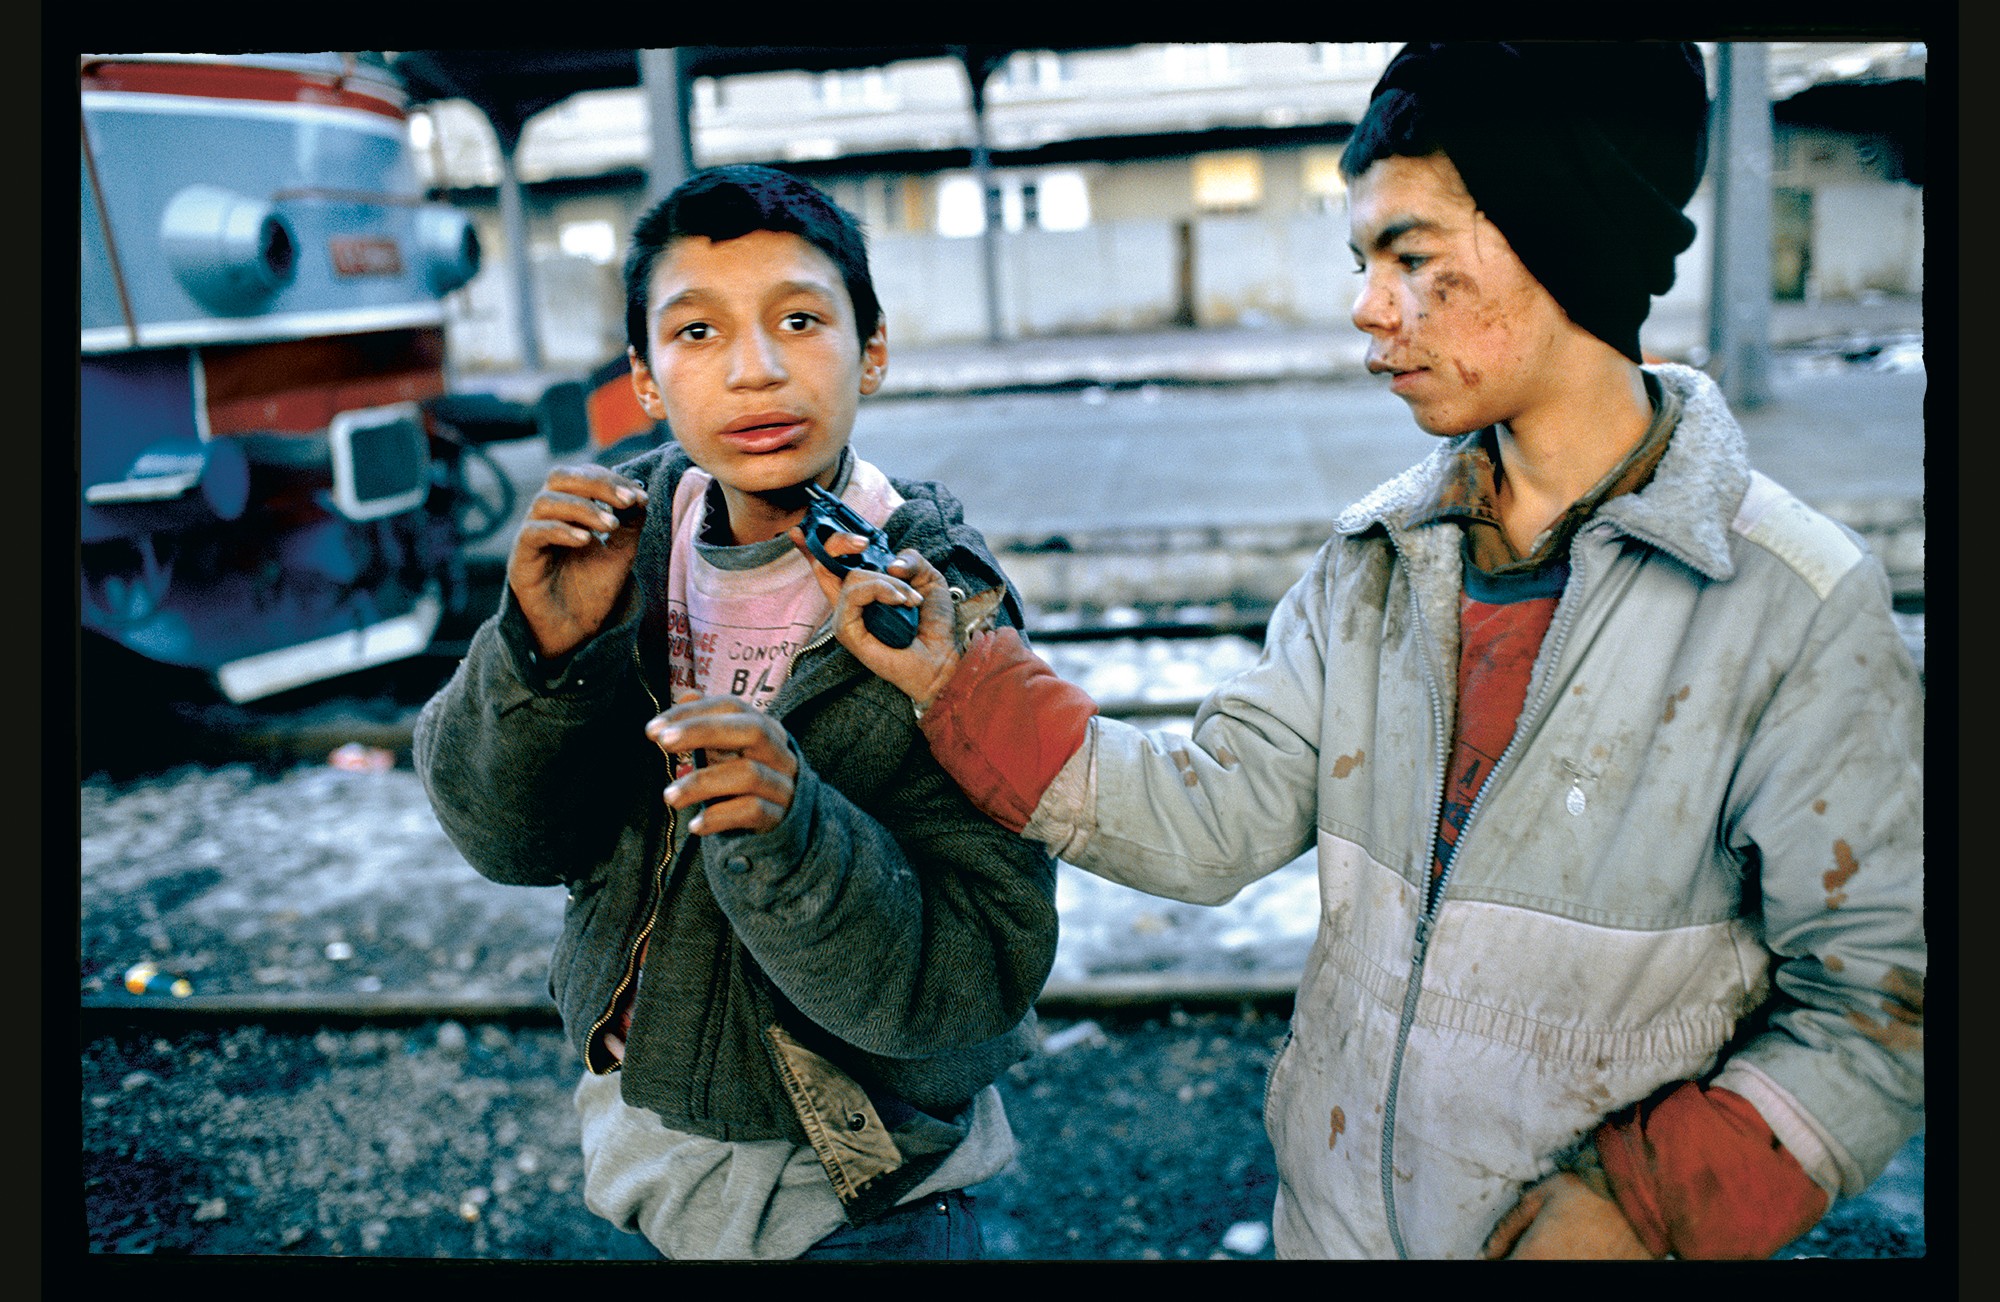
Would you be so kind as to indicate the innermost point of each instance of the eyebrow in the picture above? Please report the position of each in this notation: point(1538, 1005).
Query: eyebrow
point(783, 289)
point(1396, 230)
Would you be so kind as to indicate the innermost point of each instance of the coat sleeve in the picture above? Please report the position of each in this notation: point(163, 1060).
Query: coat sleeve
point(532, 769)
point(908, 925)
point(1199, 818)
point(1826, 813)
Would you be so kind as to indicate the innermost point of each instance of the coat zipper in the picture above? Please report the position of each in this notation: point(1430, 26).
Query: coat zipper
point(1434, 891)
point(659, 869)
point(1413, 983)
point(652, 914)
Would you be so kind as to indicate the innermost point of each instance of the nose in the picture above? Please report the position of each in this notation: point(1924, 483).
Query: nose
point(754, 362)
point(1374, 306)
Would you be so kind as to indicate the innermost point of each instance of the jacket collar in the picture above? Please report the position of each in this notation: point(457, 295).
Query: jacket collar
point(1684, 510)
point(930, 520)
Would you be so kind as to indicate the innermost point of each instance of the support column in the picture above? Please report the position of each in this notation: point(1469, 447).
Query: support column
point(979, 64)
point(513, 216)
point(1739, 302)
point(670, 122)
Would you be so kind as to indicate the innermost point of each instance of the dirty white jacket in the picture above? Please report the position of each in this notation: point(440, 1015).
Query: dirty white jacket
point(1701, 857)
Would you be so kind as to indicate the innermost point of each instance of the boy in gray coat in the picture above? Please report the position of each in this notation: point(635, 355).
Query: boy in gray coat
point(1607, 744)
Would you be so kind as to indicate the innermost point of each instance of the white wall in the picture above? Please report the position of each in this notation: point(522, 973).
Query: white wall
point(1867, 236)
point(1279, 268)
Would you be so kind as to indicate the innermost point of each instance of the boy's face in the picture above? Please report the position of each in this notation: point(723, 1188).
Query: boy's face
point(1469, 335)
point(755, 364)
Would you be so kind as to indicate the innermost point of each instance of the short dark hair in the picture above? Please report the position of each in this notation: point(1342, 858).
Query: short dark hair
point(1395, 125)
point(724, 203)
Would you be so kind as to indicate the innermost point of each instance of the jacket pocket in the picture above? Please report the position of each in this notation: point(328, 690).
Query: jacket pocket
point(839, 1118)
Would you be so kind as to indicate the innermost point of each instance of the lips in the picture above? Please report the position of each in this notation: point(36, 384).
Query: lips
point(765, 431)
point(1400, 378)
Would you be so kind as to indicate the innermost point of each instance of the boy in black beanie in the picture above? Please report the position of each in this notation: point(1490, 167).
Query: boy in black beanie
point(1607, 744)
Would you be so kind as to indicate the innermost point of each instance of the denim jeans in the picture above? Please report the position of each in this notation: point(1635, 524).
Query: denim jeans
point(936, 1227)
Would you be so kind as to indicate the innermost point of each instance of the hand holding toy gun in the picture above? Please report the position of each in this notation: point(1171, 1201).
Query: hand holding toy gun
point(827, 515)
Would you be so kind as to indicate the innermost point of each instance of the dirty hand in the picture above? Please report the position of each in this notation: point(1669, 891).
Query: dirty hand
point(747, 765)
point(921, 669)
point(572, 557)
point(1563, 1218)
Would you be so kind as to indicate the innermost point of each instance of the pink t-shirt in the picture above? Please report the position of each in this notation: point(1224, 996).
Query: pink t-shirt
point(739, 615)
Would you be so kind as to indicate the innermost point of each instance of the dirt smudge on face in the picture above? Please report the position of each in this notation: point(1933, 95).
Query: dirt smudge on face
point(1681, 695)
point(1466, 375)
point(1451, 281)
point(1346, 764)
point(1836, 877)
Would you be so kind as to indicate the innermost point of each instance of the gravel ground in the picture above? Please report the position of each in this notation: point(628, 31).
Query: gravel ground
point(1139, 1140)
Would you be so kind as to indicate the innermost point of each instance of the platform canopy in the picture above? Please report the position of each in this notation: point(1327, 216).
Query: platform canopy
point(511, 86)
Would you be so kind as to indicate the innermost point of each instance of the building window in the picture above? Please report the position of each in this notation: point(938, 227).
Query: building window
point(903, 196)
point(856, 88)
point(594, 240)
point(1199, 63)
point(1320, 179)
point(1050, 201)
point(1228, 182)
point(1063, 201)
point(1030, 72)
point(960, 210)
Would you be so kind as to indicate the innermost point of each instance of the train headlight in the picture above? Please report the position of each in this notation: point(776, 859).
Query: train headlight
point(231, 252)
point(447, 248)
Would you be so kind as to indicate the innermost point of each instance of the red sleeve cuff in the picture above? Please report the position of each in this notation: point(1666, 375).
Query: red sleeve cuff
point(1005, 725)
point(1699, 1174)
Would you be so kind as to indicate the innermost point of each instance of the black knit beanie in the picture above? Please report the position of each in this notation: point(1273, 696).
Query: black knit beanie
point(1583, 154)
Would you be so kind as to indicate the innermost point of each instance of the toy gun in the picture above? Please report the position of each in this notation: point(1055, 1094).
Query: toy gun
point(827, 515)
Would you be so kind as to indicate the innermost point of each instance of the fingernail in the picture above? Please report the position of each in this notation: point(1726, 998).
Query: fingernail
point(666, 736)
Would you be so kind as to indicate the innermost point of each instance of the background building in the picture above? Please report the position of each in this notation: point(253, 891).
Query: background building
point(1138, 187)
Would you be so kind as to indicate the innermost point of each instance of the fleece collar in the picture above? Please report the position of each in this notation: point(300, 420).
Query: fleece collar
point(1684, 511)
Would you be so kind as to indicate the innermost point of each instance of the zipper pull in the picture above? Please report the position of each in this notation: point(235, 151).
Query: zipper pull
point(1423, 933)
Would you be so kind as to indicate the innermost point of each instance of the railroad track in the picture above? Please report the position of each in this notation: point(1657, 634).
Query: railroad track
point(164, 717)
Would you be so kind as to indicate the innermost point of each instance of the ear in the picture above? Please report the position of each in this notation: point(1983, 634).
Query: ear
point(875, 359)
point(647, 389)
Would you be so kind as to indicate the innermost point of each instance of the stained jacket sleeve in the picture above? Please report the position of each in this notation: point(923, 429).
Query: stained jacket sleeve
point(1826, 812)
point(1200, 819)
point(533, 768)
